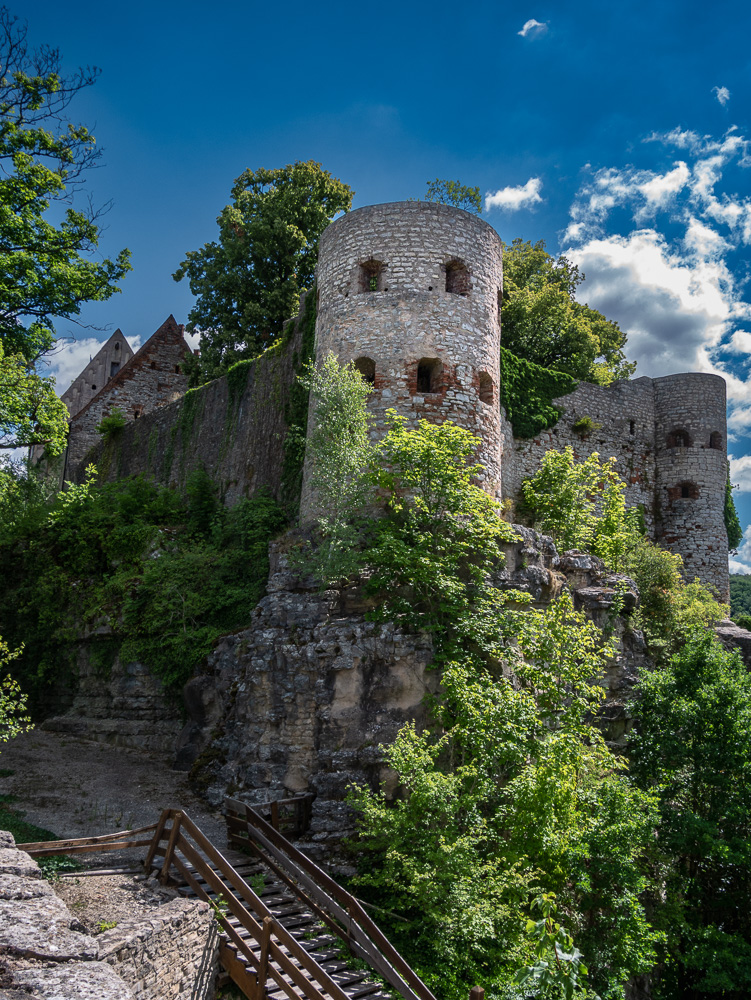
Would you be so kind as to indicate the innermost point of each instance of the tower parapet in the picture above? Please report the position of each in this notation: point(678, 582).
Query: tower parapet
point(410, 292)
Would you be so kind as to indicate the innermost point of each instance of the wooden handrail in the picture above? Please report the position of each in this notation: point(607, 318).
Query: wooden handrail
point(364, 936)
point(247, 907)
point(107, 842)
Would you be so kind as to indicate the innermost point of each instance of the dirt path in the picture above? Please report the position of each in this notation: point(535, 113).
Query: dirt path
point(81, 789)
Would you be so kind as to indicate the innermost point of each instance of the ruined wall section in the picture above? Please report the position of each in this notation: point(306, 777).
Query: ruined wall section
point(151, 379)
point(691, 466)
point(625, 412)
point(409, 291)
point(233, 427)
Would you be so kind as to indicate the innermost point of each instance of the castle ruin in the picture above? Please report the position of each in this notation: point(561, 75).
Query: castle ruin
point(410, 293)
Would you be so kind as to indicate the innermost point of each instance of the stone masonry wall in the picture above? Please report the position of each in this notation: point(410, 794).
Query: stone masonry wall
point(103, 366)
point(691, 466)
point(123, 705)
point(152, 378)
point(172, 954)
point(233, 427)
point(384, 275)
point(644, 424)
point(626, 414)
point(45, 954)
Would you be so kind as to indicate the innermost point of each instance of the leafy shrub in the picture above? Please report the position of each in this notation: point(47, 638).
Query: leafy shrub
point(112, 423)
point(168, 574)
point(584, 426)
point(692, 744)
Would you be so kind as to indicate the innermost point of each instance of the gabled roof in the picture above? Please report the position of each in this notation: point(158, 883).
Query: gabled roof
point(170, 330)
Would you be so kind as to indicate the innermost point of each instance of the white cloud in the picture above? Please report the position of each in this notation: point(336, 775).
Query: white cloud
point(533, 28)
point(674, 308)
point(740, 474)
point(509, 199)
point(742, 561)
point(193, 339)
point(722, 94)
point(671, 285)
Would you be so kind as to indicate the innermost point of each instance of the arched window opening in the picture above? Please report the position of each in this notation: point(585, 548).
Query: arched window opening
point(366, 368)
point(114, 368)
point(117, 346)
point(371, 276)
point(93, 388)
point(486, 388)
point(428, 375)
point(457, 277)
point(715, 440)
point(679, 438)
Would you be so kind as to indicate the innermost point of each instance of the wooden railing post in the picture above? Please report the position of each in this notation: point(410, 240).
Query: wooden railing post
point(477, 993)
point(155, 840)
point(263, 966)
point(174, 834)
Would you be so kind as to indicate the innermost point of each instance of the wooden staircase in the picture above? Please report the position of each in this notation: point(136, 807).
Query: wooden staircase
point(288, 930)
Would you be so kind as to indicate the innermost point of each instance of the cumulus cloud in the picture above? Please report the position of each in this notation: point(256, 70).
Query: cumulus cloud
point(663, 266)
point(674, 309)
point(509, 199)
point(722, 94)
point(533, 29)
point(740, 474)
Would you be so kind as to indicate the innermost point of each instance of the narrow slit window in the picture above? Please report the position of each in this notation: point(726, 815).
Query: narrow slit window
point(486, 389)
point(366, 368)
point(457, 277)
point(114, 368)
point(715, 440)
point(632, 427)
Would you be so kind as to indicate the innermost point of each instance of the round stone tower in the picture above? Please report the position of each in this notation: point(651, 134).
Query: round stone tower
point(691, 473)
point(410, 292)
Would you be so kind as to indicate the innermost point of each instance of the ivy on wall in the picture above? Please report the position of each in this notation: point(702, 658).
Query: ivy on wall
point(732, 524)
point(527, 394)
point(296, 411)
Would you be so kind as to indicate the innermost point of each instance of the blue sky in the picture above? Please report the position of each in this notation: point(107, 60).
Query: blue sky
point(619, 134)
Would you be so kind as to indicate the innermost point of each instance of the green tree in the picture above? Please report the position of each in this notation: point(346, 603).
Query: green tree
point(248, 282)
point(455, 193)
point(542, 321)
point(339, 454)
point(582, 505)
point(692, 743)
point(46, 265)
point(30, 410)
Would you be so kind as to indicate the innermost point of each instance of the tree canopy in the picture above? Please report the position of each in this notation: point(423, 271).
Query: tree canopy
point(248, 282)
point(455, 193)
point(542, 321)
point(47, 270)
point(46, 267)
